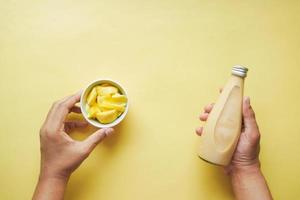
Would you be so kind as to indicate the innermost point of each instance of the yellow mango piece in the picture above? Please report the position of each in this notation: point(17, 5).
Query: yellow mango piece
point(91, 99)
point(112, 106)
point(116, 98)
point(119, 113)
point(106, 90)
point(93, 111)
point(107, 116)
point(98, 89)
point(119, 98)
point(105, 103)
point(101, 99)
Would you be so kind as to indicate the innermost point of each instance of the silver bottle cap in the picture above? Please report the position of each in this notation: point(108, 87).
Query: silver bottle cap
point(239, 71)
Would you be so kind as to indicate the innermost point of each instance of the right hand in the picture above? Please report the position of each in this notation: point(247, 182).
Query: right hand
point(246, 153)
point(60, 154)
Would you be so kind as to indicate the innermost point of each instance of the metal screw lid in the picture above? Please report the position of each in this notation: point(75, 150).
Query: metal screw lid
point(239, 71)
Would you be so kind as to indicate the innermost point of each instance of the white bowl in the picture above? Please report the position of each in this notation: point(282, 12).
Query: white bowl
point(84, 97)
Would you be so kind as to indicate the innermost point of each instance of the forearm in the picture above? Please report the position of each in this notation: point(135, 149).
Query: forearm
point(50, 187)
point(249, 184)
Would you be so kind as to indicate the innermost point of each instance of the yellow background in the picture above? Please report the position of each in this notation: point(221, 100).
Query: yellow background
point(171, 56)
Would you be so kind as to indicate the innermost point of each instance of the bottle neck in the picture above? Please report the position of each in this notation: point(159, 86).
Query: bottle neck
point(237, 79)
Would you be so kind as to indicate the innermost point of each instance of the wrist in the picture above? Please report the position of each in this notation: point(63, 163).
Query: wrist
point(242, 177)
point(51, 185)
point(47, 174)
point(251, 169)
point(248, 182)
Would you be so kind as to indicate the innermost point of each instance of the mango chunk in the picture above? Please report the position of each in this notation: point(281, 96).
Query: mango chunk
point(101, 99)
point(110, 106)
point(93, 111)
point(91, 99)
point(119, 98)
point(107, 116)
point(105, 104)
point(106, 90)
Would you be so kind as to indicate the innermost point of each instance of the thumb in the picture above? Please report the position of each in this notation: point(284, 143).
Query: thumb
point(91, 142)
point(250, 125)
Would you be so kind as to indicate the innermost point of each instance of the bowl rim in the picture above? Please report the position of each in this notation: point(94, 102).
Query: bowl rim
point(83, 101)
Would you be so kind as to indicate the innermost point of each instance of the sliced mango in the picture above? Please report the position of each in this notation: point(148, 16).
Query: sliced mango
point(116, 99)
point(100, 99)
point(105, 103)
point(111, 106)
point(93, 111)
point(91, 99)
point(106, 90)
point(119, 113)
point(107, 116)
point(119, 98)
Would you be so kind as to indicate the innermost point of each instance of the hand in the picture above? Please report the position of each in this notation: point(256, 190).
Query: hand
point(60, 154)
point(247, 179)
point(246, 154)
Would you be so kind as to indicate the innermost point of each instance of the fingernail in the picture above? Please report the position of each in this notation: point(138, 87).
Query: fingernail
point(109, 131)
point(247, 100)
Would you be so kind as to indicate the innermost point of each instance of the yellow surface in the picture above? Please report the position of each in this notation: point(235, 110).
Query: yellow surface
point(171, 56)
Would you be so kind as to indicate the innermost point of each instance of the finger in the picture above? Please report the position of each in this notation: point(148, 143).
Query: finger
point(250, 124)
point(70, 101)
point(208, 108)
point(91, 142)
point(199, 131)
point(109, 132)
point(61, 109)
point(203, 116)
point(48, 123)
point(248, 114)
point(75, 109)
point(74, 124)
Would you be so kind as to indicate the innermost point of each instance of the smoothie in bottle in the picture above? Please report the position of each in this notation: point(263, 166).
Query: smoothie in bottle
point(223, 126)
